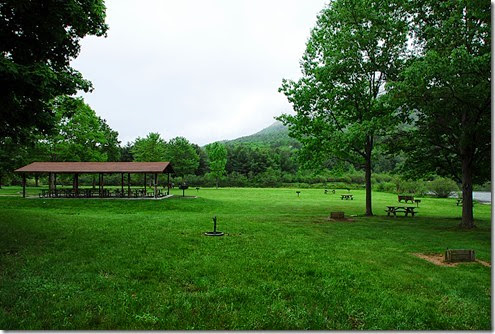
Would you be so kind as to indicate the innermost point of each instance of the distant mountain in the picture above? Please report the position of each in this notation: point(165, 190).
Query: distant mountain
point(276, 134)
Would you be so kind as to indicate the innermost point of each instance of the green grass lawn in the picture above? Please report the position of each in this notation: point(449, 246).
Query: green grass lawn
point(145, 264)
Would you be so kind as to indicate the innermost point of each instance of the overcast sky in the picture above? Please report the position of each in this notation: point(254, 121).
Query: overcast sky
point(206, 70)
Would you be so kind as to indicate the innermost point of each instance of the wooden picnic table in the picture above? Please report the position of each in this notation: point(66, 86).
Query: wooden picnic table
point(346, 196)
point(405, 209)
point(405, 198)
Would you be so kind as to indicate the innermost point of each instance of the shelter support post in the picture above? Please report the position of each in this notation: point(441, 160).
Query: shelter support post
point(55, 183)
point(122, 184)
point(145, 182)
point(128, 184)
point(24, 185)
point(155, 185)
point(168, 184)
point(76, 184)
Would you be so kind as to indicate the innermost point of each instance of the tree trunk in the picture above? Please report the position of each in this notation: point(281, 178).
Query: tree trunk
point(217, 181)
point(367, 176)
point(467, 194)
point(0, 181)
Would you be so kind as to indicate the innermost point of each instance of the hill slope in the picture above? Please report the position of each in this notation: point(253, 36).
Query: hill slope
point(276, 134)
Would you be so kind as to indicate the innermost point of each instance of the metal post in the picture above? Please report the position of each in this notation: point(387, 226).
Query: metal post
point(128, 184)
point(76, 184)
point(154, 190)
point(24, 185)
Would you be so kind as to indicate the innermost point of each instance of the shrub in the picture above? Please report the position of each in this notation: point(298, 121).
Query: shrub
point(412, 187)
point(442, 187)
point(388, 187)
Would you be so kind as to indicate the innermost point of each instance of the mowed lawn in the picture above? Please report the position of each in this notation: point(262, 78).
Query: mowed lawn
point(145, 264)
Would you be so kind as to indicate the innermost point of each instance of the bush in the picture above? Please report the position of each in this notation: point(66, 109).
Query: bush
point(410, 187)
point(442, 187)
point(388, 187)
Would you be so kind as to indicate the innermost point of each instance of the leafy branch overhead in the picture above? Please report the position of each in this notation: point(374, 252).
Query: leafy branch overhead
point(38, 40)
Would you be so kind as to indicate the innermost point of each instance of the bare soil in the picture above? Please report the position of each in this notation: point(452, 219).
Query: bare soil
point(438, 259)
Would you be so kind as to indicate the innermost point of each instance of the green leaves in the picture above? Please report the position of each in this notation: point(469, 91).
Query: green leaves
point(182, 155)
point(38, 39)
point(151, 148)
point(340, 102)
point(447, 86)
point(217, 156)
point(80, 135)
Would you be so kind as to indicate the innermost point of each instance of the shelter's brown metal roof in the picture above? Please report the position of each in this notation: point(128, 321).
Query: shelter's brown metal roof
point(97, 167)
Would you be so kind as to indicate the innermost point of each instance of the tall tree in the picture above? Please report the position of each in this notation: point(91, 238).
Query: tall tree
point(355, 48)
point(12, 156)
point(203, 161)
point(80, 135)
point(151, 148)
point(217, 155)
point(38, 40)
point(182, 155)
point(447, 89)
point(126, 152)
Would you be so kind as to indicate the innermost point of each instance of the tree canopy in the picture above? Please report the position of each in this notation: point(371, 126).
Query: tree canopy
point(151, 148)
point(80, 135)
point(355, 48)
point(182, 155)
point(446, 93)
point(38, 39)
point(217, 156)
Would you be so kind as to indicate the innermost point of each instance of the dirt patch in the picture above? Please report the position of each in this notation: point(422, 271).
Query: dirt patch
point(438, 259)
point(340, 219)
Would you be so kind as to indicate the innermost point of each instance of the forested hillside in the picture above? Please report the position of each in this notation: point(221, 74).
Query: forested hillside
point(276, 134)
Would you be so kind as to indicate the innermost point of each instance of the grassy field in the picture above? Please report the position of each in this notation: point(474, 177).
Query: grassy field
point(145, 264)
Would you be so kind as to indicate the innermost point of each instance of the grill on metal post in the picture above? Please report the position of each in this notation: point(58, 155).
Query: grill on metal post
point(214, 233)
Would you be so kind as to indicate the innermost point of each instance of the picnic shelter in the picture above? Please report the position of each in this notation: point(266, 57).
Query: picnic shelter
point(100, 168)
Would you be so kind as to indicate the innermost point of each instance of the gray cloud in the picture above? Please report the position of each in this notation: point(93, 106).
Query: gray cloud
point(206, 70)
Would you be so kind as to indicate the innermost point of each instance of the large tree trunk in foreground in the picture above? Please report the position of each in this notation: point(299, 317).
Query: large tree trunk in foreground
point(467, 194)
point(367, 176)
point(367, 172)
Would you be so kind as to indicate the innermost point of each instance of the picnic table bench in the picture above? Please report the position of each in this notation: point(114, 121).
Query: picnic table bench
point(346, 196)
point(405, 198)
point(404, 209)
point(459, 201)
